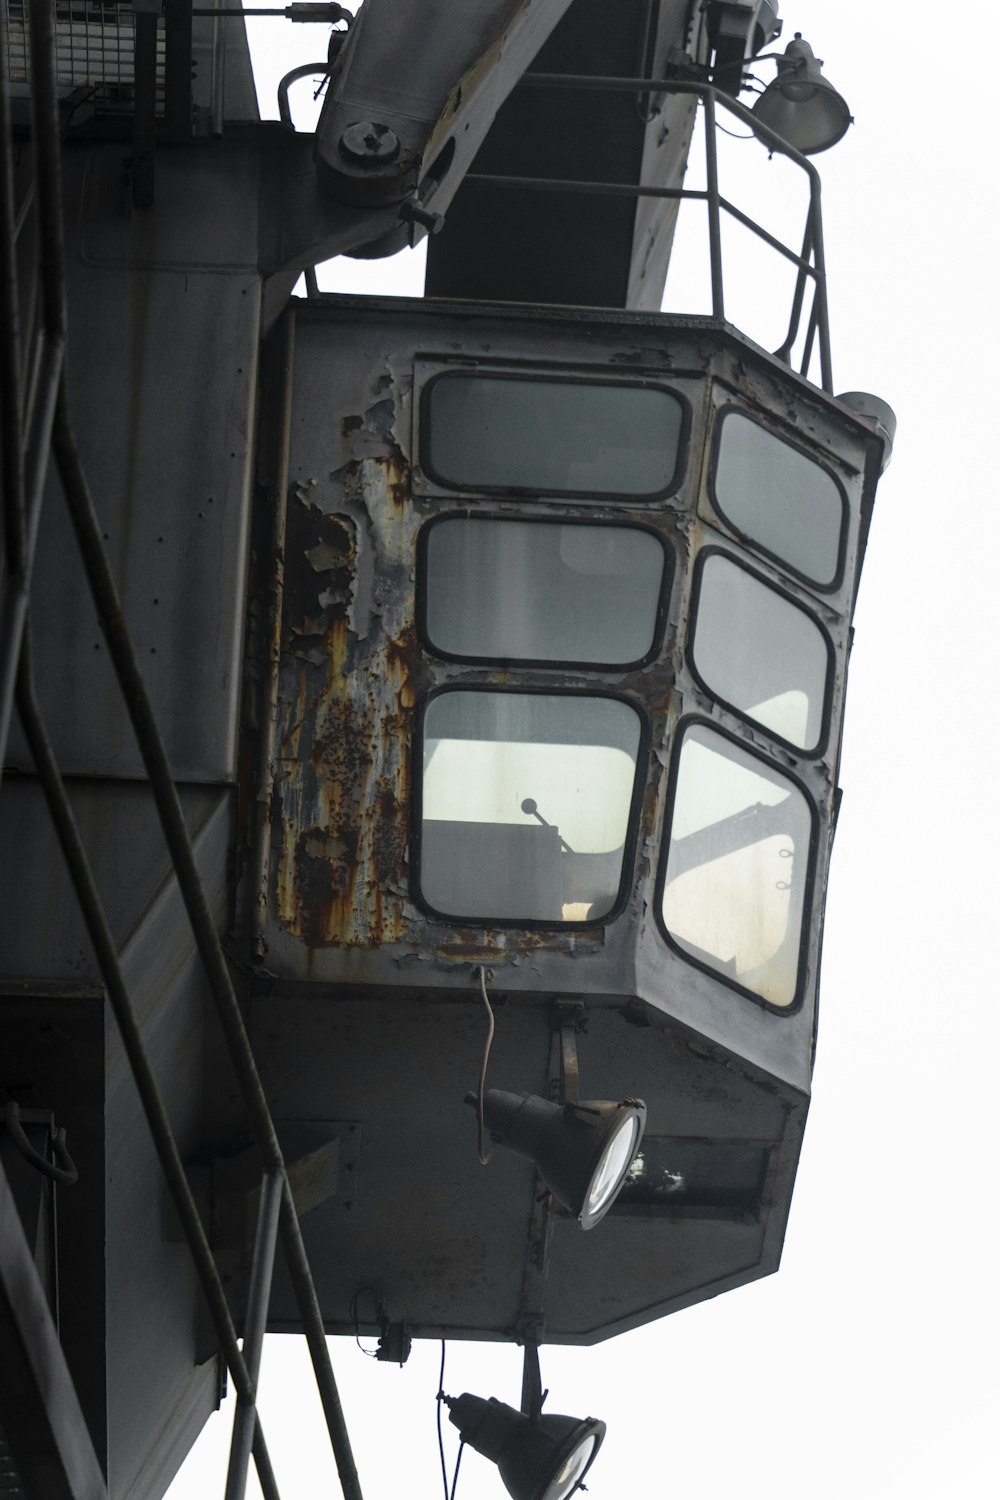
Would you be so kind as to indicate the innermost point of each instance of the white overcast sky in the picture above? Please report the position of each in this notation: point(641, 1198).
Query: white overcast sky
point(868, 1366)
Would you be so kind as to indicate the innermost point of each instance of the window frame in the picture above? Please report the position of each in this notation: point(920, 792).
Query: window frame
point(751, 415)
point(629, 848)
point(805, 936)
point(829, 678)
point(549, 376)
point(531, 663)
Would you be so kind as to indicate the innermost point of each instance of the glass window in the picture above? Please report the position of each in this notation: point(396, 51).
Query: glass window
point(528, 591)
point(505, 432)
point(525, 805)
point(686, 1173)
point(779, 498)
point(737, 863)
point(759, 652)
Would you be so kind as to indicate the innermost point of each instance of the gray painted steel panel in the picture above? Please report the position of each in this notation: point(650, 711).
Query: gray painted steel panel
point(159, 1351)
point(44, 935)
point(445, 1240)
point(167, 453)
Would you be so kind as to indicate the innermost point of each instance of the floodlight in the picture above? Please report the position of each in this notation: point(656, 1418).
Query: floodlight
point(800, 105)
point(540, 1457)
point(582, 1151)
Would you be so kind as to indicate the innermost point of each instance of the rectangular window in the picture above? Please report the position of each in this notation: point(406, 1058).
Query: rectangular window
point(526, 803)
point(780, 498)
point(734, 894)
point(504, 590)
point(695, 1176)
point(549, 436)
point(759, 653)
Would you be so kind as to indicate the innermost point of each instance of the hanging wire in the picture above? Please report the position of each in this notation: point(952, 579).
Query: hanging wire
point(440, 1401)
point(371, 1353)
point(458, 1464)
point(484, 1155)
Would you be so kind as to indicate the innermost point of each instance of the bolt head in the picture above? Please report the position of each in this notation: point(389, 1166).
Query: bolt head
point(369, 144)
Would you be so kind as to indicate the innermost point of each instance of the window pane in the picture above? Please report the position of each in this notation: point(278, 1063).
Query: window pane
point(526, 801)
point(522, 590)
point(735, 886)
point(551, 436)
point(779, 498)
point(759, 652)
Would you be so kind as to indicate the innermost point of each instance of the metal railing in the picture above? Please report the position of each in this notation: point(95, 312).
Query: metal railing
point(809, 259)
point(35, 418)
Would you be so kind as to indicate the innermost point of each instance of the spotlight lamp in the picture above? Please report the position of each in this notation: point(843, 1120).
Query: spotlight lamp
point(582, 1151)
point(539, 1457)
point(800, 105)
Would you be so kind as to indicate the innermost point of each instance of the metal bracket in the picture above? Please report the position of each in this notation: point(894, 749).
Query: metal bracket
point(568, 1017)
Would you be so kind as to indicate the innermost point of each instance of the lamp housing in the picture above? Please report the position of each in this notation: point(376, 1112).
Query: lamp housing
point(539, 1458)
point(800, 105)
point(582, 1151)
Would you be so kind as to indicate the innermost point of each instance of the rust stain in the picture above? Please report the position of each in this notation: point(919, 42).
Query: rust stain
point(348, 793)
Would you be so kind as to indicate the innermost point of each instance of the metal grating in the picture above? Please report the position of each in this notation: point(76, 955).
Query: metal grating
point(95, 51)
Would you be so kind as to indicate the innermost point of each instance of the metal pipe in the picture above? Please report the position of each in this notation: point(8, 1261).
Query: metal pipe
point(16, 594)
point(177, 36)
point(583, 185)
point(13, 589)
point(62, 1170)
point(33, 419)
point(258, 1298)
point(272, 644)
point(144, 118)
point(48, 166)
point(12, 498)
point(305, 70)
point(604, 82)
point(821, 309)
point(798, 297)
point(639, 190)
point(714, 221)
point(92, 910)
point(767, 237)
point(25, 208)
point(218, 75)
point(810, 338)
point(312, 1327)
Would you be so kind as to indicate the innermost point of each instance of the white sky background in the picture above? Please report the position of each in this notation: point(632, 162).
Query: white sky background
point(867, 1367)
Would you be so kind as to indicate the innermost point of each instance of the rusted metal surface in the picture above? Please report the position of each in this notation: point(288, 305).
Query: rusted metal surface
point(352, 655)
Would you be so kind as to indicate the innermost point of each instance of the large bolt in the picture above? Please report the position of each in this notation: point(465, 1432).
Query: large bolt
point(369, 144)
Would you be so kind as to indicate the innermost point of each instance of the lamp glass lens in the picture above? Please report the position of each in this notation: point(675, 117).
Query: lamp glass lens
point(572, 1469)
point(613, 1164)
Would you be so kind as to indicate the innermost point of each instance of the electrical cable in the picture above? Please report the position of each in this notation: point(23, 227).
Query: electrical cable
point(458, 1463)
point(440, 1399)
point(371, 1353)
point(484, 1155)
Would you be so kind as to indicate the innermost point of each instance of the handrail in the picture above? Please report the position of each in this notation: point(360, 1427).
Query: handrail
point(810, 261)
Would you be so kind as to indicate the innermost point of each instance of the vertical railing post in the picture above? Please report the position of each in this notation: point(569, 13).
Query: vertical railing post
point(714, 217)
point(821, 312)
